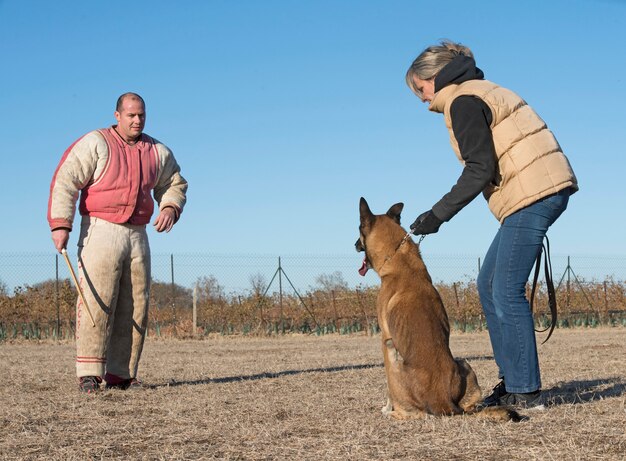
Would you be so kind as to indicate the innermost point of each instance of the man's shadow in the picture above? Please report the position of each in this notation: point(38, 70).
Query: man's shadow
point(264, 375)
point(279, 374)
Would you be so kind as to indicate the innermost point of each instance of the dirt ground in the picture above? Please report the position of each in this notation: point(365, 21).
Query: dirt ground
point(302, 398)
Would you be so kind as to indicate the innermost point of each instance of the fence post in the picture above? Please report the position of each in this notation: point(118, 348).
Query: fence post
point(458, 305)
point(335, 309)
point(173, 289)
point(358, 297)
point(57, 297)
point(195, 309)
point(568, 283)
point(280, 290)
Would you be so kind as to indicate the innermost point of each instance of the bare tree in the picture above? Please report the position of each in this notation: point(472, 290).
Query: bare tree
point(209, 289)
point(331, 282)
point(258, 282)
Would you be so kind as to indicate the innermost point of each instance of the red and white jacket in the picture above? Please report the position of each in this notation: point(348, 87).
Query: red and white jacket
point(114, 180)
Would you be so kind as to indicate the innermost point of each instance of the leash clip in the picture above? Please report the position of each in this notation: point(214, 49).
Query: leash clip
point(408, 234)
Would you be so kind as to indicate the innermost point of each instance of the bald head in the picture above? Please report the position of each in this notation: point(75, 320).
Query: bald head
point(130, 116)
point(130, 96)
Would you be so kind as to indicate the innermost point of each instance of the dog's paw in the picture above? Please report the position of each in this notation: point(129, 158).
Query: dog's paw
point(387, 409)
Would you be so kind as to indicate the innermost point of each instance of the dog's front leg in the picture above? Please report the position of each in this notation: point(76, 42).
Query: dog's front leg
point(387, 409)
point(393, 360)
point(393, 355)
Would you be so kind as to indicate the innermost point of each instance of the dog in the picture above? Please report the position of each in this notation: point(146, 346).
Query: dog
point(423, 378)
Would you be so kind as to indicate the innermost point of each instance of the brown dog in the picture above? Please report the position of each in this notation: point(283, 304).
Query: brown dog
point(422, 376)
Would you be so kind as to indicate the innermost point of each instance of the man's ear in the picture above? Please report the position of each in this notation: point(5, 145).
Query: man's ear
point(394, 212)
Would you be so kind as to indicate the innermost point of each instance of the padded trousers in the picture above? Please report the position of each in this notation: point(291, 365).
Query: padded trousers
point(114, 273)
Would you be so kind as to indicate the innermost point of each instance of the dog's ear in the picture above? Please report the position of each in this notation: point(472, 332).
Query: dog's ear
point(394, 212)
point(365, 212)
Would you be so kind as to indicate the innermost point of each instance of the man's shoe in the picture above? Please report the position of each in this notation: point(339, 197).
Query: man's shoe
point(526, 401)
point(134, 384)
point(493, 399)
point(126, 384)
point(89, 384)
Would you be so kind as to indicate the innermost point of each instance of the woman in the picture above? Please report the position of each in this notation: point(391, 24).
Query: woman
point(511, 157)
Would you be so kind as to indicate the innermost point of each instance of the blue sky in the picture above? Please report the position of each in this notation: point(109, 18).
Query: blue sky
point(283, 113)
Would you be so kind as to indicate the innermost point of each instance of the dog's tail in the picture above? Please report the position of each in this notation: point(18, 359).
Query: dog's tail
point(498, 414)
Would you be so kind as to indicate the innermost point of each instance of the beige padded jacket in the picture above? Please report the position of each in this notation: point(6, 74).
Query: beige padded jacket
point(531, 165)
point(115, 180)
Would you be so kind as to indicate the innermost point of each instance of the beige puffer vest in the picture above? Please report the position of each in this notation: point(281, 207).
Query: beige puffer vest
point(531, 165)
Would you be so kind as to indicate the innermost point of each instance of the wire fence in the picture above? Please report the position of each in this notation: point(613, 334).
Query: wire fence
point(266, 294)
point(236, 273)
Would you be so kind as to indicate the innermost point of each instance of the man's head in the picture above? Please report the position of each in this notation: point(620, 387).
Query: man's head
point(130, 113)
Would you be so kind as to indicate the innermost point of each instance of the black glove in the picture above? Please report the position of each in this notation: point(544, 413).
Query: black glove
point(426, 223)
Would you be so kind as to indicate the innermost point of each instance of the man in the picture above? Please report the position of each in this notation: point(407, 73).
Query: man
point(114, 170)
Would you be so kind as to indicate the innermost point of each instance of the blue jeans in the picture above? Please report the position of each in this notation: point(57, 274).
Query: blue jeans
point(502, 290)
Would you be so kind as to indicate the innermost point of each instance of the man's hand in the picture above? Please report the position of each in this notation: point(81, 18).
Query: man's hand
point(166, 219)
point(426, 223)
point(60, 237)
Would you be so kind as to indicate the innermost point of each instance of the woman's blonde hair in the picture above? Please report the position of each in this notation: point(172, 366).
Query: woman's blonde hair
point(434, 58)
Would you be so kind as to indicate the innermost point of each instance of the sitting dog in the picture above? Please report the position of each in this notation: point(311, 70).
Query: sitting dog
point(422, 376)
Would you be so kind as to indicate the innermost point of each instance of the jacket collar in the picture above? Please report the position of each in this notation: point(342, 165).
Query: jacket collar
point(441, 97)
point(122, 142)
point(461, 69)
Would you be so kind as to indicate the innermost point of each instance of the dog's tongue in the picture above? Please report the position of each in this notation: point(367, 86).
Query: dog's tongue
point(363, 269)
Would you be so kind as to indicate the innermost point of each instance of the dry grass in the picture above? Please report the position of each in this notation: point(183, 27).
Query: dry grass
point(302, 398)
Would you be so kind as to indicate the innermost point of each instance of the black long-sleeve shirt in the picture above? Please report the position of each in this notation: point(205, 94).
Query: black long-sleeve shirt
point(471, 120)
point(471, 125)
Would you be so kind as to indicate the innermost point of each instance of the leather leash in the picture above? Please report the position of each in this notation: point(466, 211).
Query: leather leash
point(545, 249)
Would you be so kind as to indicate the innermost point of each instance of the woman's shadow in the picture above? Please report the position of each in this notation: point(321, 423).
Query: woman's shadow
point(585, 391)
